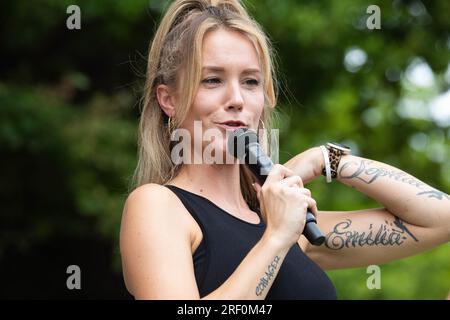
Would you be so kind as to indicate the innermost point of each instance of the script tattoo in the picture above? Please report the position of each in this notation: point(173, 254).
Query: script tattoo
point(374, 173)
point(368, 175)
point(270, 273)
point(435, 194)
point(387, 234)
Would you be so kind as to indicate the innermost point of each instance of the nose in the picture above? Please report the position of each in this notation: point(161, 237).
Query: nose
point(236, 100)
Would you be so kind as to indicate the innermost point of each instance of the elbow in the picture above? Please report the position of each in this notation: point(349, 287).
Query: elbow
point(448, 231)
point(443, 222)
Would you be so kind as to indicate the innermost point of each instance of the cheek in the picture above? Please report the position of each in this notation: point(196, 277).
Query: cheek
point(203, 106)
point(205, 100)
point(257, 106)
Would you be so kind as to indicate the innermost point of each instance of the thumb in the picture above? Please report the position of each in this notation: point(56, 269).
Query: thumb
point(314, 209)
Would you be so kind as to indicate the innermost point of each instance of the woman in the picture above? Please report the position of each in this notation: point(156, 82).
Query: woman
point(204, 230)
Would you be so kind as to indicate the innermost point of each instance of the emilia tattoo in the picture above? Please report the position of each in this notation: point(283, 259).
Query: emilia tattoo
point(387, 234)
point(270, 273)
point(367, 174)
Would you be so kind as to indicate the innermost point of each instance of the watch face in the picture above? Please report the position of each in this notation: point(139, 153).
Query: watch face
point(339, 146)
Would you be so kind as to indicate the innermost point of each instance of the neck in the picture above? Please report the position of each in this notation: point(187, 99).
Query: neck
point(219, 183)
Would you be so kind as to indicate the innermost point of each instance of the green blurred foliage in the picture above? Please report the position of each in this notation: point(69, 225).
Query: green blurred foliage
point(68, 114)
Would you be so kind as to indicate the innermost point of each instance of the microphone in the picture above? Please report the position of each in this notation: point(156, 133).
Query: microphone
point(243, 144)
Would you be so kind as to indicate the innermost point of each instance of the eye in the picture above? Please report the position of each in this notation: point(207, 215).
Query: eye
point(213, 80)
point(252, 82)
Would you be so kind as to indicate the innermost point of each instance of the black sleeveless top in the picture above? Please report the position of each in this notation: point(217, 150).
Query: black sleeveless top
point(228, 239)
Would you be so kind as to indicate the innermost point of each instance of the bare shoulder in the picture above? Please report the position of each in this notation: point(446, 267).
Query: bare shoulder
point(152, 208)
point(153, 202)
point(155, 238)
point(150, 193)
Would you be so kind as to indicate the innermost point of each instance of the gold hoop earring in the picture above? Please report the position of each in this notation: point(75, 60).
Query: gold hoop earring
point(263, 126)
point(170, 125)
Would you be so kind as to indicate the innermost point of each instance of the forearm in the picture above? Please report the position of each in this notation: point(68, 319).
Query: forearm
point(402, 194)
point(255, 275)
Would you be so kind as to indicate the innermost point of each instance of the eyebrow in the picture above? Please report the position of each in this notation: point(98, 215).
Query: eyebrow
point(220, 69)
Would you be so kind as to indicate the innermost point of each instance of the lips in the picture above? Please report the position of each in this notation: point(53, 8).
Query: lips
point(233, 124)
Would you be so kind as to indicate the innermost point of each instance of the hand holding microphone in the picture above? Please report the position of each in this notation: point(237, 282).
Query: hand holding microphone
point(284, 201)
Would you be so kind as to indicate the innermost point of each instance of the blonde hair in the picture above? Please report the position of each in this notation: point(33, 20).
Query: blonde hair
point(175, 60)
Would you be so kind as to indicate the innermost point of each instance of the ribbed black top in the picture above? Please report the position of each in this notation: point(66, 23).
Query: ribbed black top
point(228, 239)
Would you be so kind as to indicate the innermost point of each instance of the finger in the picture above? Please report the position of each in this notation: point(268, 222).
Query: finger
point(292, 181)
point(314, 210)
point(278, 173)
point(299, 181)
point(305, 191)
point(308, 202)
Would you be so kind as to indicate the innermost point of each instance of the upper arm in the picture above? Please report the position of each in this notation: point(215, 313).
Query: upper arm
point(155, 246)
point(374, 236)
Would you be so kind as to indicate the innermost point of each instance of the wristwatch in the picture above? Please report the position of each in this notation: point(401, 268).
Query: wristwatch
point(335, 152)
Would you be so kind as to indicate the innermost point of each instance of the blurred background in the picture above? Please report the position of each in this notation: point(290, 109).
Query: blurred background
point(69, 108)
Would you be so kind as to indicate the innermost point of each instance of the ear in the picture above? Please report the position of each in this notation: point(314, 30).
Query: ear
point(166, 99)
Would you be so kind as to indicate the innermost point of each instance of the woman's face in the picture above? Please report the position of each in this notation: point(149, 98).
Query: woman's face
point(231, 93)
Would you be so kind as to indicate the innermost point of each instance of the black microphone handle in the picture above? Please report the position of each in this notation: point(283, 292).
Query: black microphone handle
point(260, 164)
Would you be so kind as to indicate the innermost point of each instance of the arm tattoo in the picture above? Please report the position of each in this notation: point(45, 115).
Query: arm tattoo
point(435, 194)
point(387, 234)
point(369, 175)
point(399, 224)
point(270, 273)
point(373, 173)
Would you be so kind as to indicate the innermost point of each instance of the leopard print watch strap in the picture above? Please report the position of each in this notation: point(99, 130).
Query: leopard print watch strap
point(335, 153)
